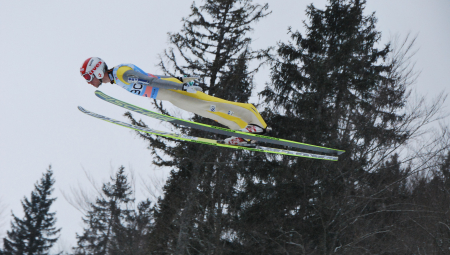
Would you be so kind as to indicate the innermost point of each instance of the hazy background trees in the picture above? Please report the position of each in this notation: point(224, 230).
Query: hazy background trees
point(36, 232)
point(113, 223)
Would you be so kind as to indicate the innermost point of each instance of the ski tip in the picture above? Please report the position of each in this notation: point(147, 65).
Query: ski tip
point(99, 93)
point(82, 109)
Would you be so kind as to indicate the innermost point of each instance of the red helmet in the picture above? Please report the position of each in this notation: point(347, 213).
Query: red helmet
point(93, 67)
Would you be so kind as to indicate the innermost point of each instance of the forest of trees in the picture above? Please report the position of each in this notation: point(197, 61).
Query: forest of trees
point(335, 85)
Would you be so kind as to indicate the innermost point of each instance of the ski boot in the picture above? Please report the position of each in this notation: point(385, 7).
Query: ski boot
point(251, 128)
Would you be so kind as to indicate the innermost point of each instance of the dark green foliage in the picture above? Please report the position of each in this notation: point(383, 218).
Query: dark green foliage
point(113, 225)
point(196, 214)
point(335, 84)
point(35, 233)
point(213, 43)
point(427, 225)
point(332, 87)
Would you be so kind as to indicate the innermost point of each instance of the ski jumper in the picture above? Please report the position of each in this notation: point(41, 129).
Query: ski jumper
point(231, 114)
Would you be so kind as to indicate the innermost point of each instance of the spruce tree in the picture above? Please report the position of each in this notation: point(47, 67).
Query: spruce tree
point(35, 233)
point(334, 83)
point(196, 212)
point(113, 226)
point(334, 87)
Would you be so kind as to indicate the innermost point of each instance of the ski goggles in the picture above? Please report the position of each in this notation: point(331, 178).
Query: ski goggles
point(88, 77)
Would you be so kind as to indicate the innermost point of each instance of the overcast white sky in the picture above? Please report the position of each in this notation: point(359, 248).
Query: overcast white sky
point(43, 44)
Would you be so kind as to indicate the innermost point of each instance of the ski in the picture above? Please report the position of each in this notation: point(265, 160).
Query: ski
point(209, 141)
point(217, 130)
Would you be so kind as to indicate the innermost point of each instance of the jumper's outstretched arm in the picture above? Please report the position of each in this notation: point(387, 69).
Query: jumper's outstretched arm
point(164, 82)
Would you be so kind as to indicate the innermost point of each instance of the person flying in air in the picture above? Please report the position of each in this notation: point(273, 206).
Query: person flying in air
point(237, 116)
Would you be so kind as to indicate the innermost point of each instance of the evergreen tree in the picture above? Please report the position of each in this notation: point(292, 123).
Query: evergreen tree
point(195, 215)
point(335, 85)
point(331, 87)
point(113, 226)
point(35, 233)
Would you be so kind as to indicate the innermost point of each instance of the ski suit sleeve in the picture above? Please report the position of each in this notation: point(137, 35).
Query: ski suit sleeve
point(138, 82)
point(164, 82)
